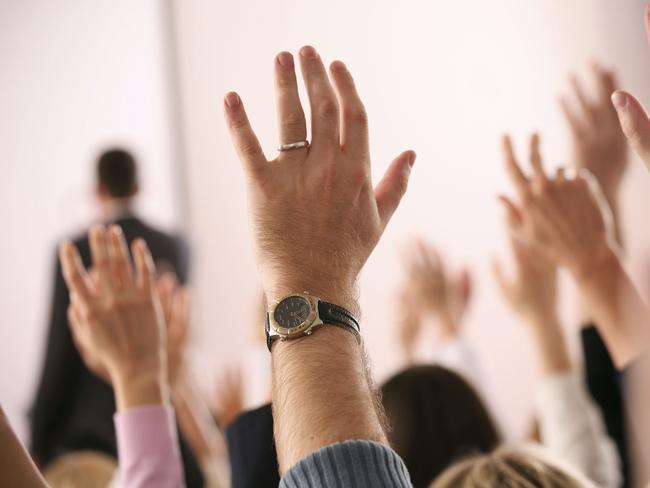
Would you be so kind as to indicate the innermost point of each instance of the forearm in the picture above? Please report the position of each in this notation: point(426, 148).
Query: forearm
point(321, 395)
point(16, 467)
point(196, 422)
point(550, 343)
point(616, 307)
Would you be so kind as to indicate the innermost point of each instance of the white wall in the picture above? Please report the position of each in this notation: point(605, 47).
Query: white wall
point(443, 78)
point(76, 76)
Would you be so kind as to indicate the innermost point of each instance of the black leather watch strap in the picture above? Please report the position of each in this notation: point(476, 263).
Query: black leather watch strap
point(329, 314)
point(335, 315)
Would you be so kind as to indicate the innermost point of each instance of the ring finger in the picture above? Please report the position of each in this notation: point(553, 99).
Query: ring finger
point(291, 117)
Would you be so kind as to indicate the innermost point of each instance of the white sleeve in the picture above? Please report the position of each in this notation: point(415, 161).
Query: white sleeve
point(573, 429)
point(457, 355)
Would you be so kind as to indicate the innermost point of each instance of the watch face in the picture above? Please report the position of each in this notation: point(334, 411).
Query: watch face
point(292, 312)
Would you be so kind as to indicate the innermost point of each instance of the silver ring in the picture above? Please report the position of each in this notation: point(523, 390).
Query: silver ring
point(293, 146)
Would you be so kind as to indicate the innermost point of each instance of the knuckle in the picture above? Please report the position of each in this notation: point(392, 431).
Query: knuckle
point(327, 109)
point(357, 115)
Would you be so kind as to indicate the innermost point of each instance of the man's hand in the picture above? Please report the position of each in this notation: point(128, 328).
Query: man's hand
point(597, 142)
point(315, 215)
point(566, 217)
point(116, 316)
point(633, 117)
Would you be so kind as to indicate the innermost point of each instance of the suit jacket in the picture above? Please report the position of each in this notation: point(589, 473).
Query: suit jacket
point(604, 384)
point(251, 449)
point(74, 408)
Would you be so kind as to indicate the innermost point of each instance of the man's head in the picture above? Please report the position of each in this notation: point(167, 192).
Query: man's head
point(116, 175)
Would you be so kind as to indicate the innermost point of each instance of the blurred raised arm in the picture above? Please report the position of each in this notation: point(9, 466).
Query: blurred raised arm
point(568, 220)
point(119, 327)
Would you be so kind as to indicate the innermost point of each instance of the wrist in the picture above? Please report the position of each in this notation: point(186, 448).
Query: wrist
point(594, 265)
point(140, 389)
point(447, 323)
point(341, 294)
point(550, 343)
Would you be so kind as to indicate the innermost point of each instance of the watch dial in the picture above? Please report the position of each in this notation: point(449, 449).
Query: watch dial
point(291, 312)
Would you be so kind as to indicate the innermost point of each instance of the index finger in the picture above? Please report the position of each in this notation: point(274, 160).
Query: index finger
point(536, 160)
point(74, 273)
point(514, 171)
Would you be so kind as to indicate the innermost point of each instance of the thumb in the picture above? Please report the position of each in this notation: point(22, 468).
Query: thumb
point(634, 122)
point(391, 188)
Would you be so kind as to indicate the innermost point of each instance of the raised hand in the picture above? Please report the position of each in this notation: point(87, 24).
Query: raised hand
point(597, 142)
point(566, 217)
point(435, 293)
point(315, 214)
point(175, 302)
point(531, 291)
point(532, 287)
point(316, 219)
point(116, 317)
point(633, 117)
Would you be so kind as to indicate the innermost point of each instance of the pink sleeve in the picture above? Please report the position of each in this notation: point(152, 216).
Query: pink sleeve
point(147, 446)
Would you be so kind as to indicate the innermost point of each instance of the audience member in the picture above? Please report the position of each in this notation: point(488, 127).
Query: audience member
point(520, 467)
point(570, 425)
point(319, 376)
point(119, 327)
point(435, 418)
point(115, 374)
point(73, 408)
point(598, 145)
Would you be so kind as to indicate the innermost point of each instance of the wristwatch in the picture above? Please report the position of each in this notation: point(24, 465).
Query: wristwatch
point(300, 314)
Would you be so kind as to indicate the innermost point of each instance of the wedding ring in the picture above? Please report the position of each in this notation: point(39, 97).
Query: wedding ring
point(293, 146)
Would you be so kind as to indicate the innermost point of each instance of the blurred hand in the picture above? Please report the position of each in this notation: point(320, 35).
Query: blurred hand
point(315, 215)
point(409, 323)
point(116, 317)
point(597, 142)
point(434, 292)
point(229, 397)
point(633, 117)
point(531, 290)
point(175, 302)
point(566, 217)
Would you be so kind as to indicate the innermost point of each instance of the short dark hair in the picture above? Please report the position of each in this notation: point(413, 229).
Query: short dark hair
point(117, 172)
point(435, 418)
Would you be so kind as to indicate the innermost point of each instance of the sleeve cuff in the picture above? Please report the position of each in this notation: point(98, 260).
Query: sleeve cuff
point(350, 463)
point(148, 449)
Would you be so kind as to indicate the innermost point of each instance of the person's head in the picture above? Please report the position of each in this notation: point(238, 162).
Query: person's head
point(116, 175)
point(435, 418)
point(512, 467)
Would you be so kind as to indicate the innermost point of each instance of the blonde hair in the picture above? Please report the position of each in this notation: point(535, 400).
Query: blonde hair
point(525, 466)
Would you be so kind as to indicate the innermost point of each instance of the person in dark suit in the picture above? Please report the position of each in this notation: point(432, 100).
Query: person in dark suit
point(73, 409)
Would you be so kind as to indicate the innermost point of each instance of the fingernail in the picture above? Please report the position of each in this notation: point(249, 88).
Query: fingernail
point(619, 100)
point(308, 52)
point(285, 59)
point(232, 100)
point(412, 157)
point(338, 66)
